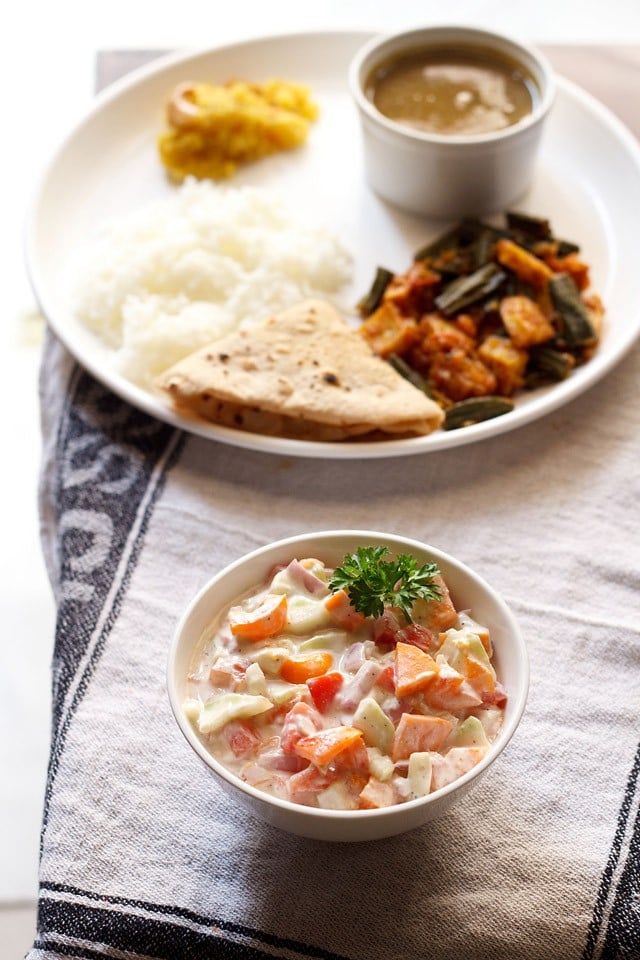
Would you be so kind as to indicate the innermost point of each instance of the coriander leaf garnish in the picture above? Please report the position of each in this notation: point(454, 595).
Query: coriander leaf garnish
point(372, 582)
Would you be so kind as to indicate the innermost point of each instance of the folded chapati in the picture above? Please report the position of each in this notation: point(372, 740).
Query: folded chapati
point(302, 373)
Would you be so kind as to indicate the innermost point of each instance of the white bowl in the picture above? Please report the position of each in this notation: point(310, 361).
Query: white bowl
point(468, 591)
point(449, 176)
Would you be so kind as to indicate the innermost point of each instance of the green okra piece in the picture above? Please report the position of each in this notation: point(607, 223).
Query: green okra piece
point(469, 289)
point(577, 328)
point(475, 410)
point(371, 300)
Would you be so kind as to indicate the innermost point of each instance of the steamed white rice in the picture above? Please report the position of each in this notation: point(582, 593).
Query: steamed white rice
point(171, 277)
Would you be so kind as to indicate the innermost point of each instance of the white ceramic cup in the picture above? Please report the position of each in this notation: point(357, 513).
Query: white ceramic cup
point(444, 176)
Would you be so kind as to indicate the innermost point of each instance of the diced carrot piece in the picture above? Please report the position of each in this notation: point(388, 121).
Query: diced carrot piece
point(268, 619)
point(301, 667)
point(300, 722)
point(485, 639)
point(418, 734)
point(415, 669)
point(323, 689)
point(342, 613)
point(480, 676)
point(387, 679)
point(529, 268)
point(323, 747)
point(377, 794)
point(450, 690)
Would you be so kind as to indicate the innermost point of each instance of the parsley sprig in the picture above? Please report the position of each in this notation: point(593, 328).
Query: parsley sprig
point(371, 582)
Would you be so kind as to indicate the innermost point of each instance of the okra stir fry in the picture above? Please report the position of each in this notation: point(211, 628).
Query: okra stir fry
point(352, 688)
point(484, 312)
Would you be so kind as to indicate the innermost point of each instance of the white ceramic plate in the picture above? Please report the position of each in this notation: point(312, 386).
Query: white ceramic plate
point(587, 183)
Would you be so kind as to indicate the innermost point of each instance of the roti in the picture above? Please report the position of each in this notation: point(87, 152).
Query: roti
point(302, 373)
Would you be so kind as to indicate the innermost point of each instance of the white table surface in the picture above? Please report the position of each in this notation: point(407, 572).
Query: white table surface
point(48, 67)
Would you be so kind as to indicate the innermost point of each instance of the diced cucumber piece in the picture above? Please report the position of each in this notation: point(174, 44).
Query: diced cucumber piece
point(290, 582)
point(305, 615)
point(469, 733)
point(327, 640)
point(255, 680)
point(468, 623)
point(270, 659)
point(380, 767)
point(282, 583)
point(491, 719)
point(191, 709)
point(279, 691)
point(377, 728)
point(216, 713)
point(419, 775)
point(460, 646)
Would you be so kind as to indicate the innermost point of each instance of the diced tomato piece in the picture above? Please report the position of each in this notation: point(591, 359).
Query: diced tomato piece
point(419, 636)
point(355, 759)
point(455, 763)
point(311, 780)
point(323, 747)
point(227, 672)
point(385, 629)
point(394, 709)
point(268, 618)
point(323, 689)
point(342, 613)
point(418, 734)
point(300, 668)
point(257, 776)
point(301, 721)
point(497, 697)
point(415, 669)
point(242, 737)
point(387, 679)
point(275, 759)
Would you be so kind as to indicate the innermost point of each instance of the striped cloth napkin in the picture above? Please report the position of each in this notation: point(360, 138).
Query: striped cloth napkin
point(143, 855)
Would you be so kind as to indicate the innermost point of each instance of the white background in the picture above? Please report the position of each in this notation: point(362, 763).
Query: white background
point(47, 67)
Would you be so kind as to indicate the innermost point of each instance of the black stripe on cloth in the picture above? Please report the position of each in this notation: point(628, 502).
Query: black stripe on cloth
point(168, 934)
point(112, 461)
point(621, 939)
